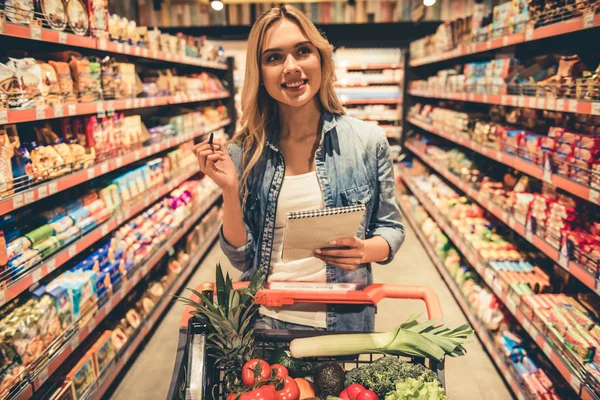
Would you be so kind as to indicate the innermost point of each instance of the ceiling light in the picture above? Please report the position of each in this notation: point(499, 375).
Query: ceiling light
point(217, 5)
point(428, 3)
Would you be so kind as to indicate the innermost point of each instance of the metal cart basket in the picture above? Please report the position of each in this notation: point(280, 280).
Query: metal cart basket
point(196, 378)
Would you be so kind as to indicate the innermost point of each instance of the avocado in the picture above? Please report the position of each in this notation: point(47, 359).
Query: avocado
point(329, 380)
point(296, 368)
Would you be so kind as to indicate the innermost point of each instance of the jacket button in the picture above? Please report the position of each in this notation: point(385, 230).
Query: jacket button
point(325, 181)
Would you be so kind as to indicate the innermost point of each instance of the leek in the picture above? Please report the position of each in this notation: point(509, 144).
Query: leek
point(429, 339)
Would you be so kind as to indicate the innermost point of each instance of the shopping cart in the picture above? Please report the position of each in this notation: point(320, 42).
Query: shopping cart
point(194, 375)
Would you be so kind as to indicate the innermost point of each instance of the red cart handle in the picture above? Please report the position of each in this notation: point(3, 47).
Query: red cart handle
point(371, 294)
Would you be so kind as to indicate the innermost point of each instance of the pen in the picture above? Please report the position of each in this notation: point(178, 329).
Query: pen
point(210, 140)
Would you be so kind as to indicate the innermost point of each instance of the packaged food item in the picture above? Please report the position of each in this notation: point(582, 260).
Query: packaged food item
point(103, 352)
point(126, 81)
point(83, 83)
point(54, 13)
point(49, 86)
point(98, 17)
point(118, 338)
point(82, 376)
point(29, 76)
point(19, 11)
point(77, 17)
point(109, 81)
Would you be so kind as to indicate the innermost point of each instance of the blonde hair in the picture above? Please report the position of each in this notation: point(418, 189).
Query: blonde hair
point(258, 108)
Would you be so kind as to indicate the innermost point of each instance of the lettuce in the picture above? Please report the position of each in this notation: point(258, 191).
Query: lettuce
point(417, 389)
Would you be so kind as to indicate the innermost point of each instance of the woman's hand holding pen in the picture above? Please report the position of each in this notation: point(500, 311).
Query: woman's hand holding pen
point(217, 165)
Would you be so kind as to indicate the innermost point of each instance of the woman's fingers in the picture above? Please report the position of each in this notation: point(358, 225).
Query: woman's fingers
point(206, 153)
point(204, 145)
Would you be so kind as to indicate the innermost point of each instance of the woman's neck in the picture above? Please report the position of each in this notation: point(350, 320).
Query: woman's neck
point(300, 123)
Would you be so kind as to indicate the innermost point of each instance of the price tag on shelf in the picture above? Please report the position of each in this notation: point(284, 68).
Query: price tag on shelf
point(488, 45)
point(485, 98)
point(497, 286)
point(17, 201)
point(127, 49)
point(532, 103)
point(528, 235)
point(119, 219)
point(138, 51)
point(62, 38)
point(560, 105)
point(511, 222)
point(3, 116)
point(547, 348)
point(597, 288)
point(547, 176)
point(100, 109)
point(51, 265)
point(504, 100)
point(529, 28)
point(28, 197)
point(104, 230)
point(528, 328)
point(91, 325)
point(72, 109)
point(521, 101)
point(510, 304)
point(102, 44)
point(572, 106)
point(594, 195)
point(145, 52)
point(35, 29)
point(119, 162)
point(119, 47)
point(3, 295)
point(72, 251)
point(59, 111)
point(91, 173)
point(40, 112)
point(499, 156)
point(137, 155)
point(128, 103)
point(136, 103)
point(104, 168)
point(588, 18)
point(541, 103)
point(575, 383)
point(563, 261)
point(596, 108)
point(505, 41)
point(42, 192)
point(52, 188)
point(152, 101)
point(75, 341)
point(43, 376)
point(551, 103)
point(36, 275)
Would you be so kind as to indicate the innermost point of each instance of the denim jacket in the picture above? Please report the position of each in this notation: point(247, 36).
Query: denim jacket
point(354, 166)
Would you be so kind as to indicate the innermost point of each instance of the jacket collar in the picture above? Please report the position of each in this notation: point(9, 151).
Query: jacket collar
point(329, 122)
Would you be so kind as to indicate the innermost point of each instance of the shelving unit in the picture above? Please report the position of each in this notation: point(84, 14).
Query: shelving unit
point(516, 96)
point(480, 330)
point(34, 380)
point(510, 301)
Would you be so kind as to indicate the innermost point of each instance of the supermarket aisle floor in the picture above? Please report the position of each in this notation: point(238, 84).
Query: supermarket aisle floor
point(471, 377)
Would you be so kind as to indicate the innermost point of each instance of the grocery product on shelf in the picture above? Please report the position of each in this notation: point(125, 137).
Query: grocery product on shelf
point(67, 302)
point(488, 310)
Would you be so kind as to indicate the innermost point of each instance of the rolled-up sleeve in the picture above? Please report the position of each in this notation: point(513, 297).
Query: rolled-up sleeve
point(237, 255)
point(386, 220)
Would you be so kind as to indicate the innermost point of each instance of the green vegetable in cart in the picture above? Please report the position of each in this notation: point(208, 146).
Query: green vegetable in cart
point(382, 375)
point(296, 368)
point(229, 327)
point(329, 380)
point(429, 339)
point(417, 389)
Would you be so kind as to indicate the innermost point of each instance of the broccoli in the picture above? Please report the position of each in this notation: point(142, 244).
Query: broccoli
point(382, 375)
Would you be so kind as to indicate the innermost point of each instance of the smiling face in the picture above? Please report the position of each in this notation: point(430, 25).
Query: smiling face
point(290, 65)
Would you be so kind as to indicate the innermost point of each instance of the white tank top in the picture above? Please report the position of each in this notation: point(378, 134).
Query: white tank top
point(298, 193)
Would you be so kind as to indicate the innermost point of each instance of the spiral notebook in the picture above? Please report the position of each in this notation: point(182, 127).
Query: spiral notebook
point(307, 231)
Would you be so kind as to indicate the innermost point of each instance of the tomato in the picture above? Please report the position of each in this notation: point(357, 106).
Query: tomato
point(279, 371)
point(231, 396)
point(367, 395)
point(343, 395)
point(354, 390)
point(261, 393)
point(290, 390)
point(255, 370)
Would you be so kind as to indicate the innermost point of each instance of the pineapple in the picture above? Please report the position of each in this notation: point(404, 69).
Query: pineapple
point(230, 325)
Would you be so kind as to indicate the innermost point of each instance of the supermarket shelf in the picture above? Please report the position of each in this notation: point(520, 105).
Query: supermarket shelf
point(372, 101)
point(102, 107)
point(511, 303)
point(577, 189)
point(51, 36)
point(62, 183)
point(481, 331)
point(573, 268)
point(530, 34)
point(88, 239)
point(540, 103)
point(153, 320)
point(59, 358)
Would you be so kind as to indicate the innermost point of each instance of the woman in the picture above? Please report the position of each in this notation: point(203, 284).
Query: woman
point(298, 151)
